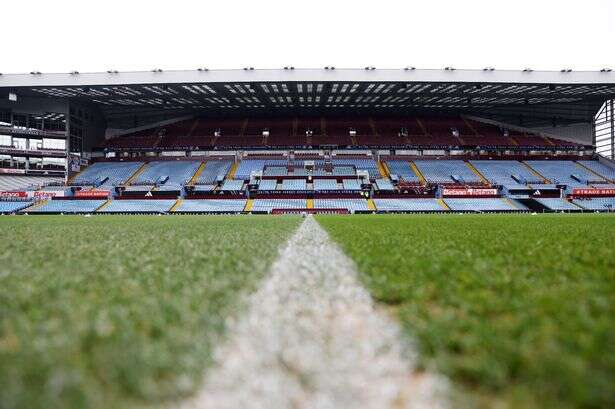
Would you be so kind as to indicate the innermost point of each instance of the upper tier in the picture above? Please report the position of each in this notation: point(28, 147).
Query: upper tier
point(282, 133)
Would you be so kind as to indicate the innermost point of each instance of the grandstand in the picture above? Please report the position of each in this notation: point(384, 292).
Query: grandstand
point(354, 141)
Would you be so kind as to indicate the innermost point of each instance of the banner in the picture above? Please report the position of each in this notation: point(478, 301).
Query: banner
point(469, 192)
point(48, 194)
point(15, 195)
point(93, 194)
point(593, 192)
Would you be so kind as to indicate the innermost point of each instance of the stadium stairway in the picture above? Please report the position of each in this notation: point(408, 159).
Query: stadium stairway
point(195, 124)
point(177, 204)
point(136, 174)
point(196, 176)
point(249, 205)
point(421, 125)
point(384, 170)
point(443, 204)
point(480, 176)
point(232, 170)
point(371, 205)
point(534, 172)
point(418, 173)
point(70, 179)
point(513, 204)
point(101, 207)
point(590, 170)
point(35, 206)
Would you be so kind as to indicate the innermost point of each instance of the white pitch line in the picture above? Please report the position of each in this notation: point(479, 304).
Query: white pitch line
point(312, 338)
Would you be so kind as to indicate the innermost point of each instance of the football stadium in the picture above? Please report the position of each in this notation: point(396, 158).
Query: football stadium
point(307, 238)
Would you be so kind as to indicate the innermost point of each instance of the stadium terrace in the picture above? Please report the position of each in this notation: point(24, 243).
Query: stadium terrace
point(315, 140)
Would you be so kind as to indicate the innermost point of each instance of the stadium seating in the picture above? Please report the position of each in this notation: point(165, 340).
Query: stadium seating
point(444, 171)
point(325, 185)
point(384, 185)
point(596, 203)
point(293, 184)
point(214, 170)
point(402, 169)
point(561, 171)
point(352, 205)
point(16, 183)
point(178, 172)
point(275, 171)
point(247, 166)
point(343, 171)
point(267, 184)
point(367, 164)
point(267, 205)
point(12, 207)
point(69, 206)
point(408, 205)
point(351, 184)
point(603, 170)
point(211, 206)
point(231, 185)
point(246, 133)
point(557, 204)
point(116, 173)
point(501, 172)
point(138, 206)
point(482, 205)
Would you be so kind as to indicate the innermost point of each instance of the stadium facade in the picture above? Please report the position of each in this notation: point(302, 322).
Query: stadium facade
point(315, 140)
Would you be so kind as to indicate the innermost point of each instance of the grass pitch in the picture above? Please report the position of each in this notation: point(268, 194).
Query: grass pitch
point(517, 310)
point(113, 311)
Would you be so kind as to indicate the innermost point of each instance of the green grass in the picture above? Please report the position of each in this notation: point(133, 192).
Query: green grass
point(518, 310)
point(114, 311)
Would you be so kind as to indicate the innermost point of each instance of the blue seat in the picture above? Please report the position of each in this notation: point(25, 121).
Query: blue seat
point(408, 205)
point(12, 207)
point(69, 206)
point(139, 206)
point(212, 206)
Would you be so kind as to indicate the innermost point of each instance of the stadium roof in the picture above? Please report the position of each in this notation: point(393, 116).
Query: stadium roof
point(566, 95)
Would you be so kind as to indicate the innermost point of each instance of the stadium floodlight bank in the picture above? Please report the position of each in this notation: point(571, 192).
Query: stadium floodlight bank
point(328, 140)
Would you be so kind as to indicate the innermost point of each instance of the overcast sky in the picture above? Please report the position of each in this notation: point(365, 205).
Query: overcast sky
point(96, 35)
